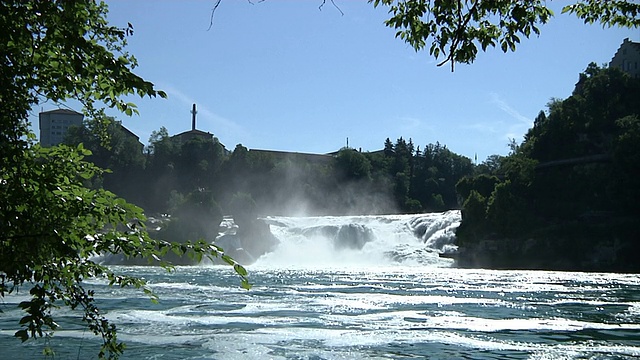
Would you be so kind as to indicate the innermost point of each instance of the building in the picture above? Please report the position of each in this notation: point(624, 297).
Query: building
point(627, 58)
point(295, 156)
point(183, 137)
point(135, 139)
point(54, 125)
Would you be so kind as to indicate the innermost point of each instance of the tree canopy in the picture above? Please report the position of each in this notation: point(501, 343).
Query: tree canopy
point(51, 223)
point(456, 30)
point(574, 179)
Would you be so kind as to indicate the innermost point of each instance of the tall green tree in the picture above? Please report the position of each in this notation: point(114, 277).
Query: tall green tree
point(50, 223)
point(121, 153)
point(353, 164)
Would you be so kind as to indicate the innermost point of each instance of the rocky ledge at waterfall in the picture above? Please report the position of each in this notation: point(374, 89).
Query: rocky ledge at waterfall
point(246, 242)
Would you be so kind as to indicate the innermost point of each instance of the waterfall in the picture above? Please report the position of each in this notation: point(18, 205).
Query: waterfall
point(373, 240)
point(340, 241)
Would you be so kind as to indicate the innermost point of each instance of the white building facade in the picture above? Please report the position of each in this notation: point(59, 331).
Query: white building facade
point(627, 58)
point(54, 125)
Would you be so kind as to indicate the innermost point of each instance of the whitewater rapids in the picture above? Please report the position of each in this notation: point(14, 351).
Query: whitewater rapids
point(408, 239)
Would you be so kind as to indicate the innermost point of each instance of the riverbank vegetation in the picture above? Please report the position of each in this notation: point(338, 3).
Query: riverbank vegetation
point(567, 196)
point(52, 222)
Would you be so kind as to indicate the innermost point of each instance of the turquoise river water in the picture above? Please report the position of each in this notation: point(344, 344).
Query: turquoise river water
point(413, 305)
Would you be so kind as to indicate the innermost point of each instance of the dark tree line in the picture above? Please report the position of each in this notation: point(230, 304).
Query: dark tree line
point(571, 187)
point(171, 176)
point(417, 180)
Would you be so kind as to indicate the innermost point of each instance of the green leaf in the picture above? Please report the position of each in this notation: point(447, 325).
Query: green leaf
point(245, 284)
point(25, 320)
point(23, 335)
point(228, 260)
point(240, 270)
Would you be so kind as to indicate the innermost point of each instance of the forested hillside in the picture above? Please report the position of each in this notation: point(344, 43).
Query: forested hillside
point(567, 196)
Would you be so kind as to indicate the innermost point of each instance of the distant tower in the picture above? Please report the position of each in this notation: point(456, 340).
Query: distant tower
point(194, 133)
point(193, 117)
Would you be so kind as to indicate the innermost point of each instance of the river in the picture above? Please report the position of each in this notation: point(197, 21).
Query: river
point(375, 290)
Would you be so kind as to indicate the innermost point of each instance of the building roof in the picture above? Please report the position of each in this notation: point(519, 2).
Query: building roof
point(627, 58)
point(626, 43)
point(129, 132)
point(194, 132)
point(634, 44)
point(287, 154)
point(61, 111)
point(281, 152)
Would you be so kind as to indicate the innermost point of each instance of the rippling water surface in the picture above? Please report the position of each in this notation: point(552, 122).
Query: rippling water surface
point(355, 287)
point(385, 312)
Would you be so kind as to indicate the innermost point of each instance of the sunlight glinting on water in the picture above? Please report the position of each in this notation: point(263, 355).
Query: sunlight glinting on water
point(347, 306)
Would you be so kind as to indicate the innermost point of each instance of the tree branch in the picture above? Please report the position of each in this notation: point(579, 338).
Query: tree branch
point(217, 4)
point(456, 40)
point(334, 5)
point(213, 12)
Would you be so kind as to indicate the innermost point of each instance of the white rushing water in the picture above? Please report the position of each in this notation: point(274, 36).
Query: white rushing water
point(311, 242)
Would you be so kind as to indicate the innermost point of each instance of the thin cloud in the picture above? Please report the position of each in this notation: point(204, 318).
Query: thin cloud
point(513, 131)
point(502, 104)
point(409, 124)
point(490, 128)
point(225, 126)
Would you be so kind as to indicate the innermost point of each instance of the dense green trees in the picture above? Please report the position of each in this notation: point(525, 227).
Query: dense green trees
point(353, 164)
point(417, 180)
point(574, 177)
point(582, 132)
point(51, 223)
point(399, 178)
point(120, 152)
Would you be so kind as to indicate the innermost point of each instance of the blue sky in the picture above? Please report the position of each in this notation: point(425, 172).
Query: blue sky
point(284, 75)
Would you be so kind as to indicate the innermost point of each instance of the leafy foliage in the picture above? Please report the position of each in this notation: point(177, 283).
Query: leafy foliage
point(456, 30)
point(353, 164)
point(51, 224)
point(400, 178)
point(607, 13)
